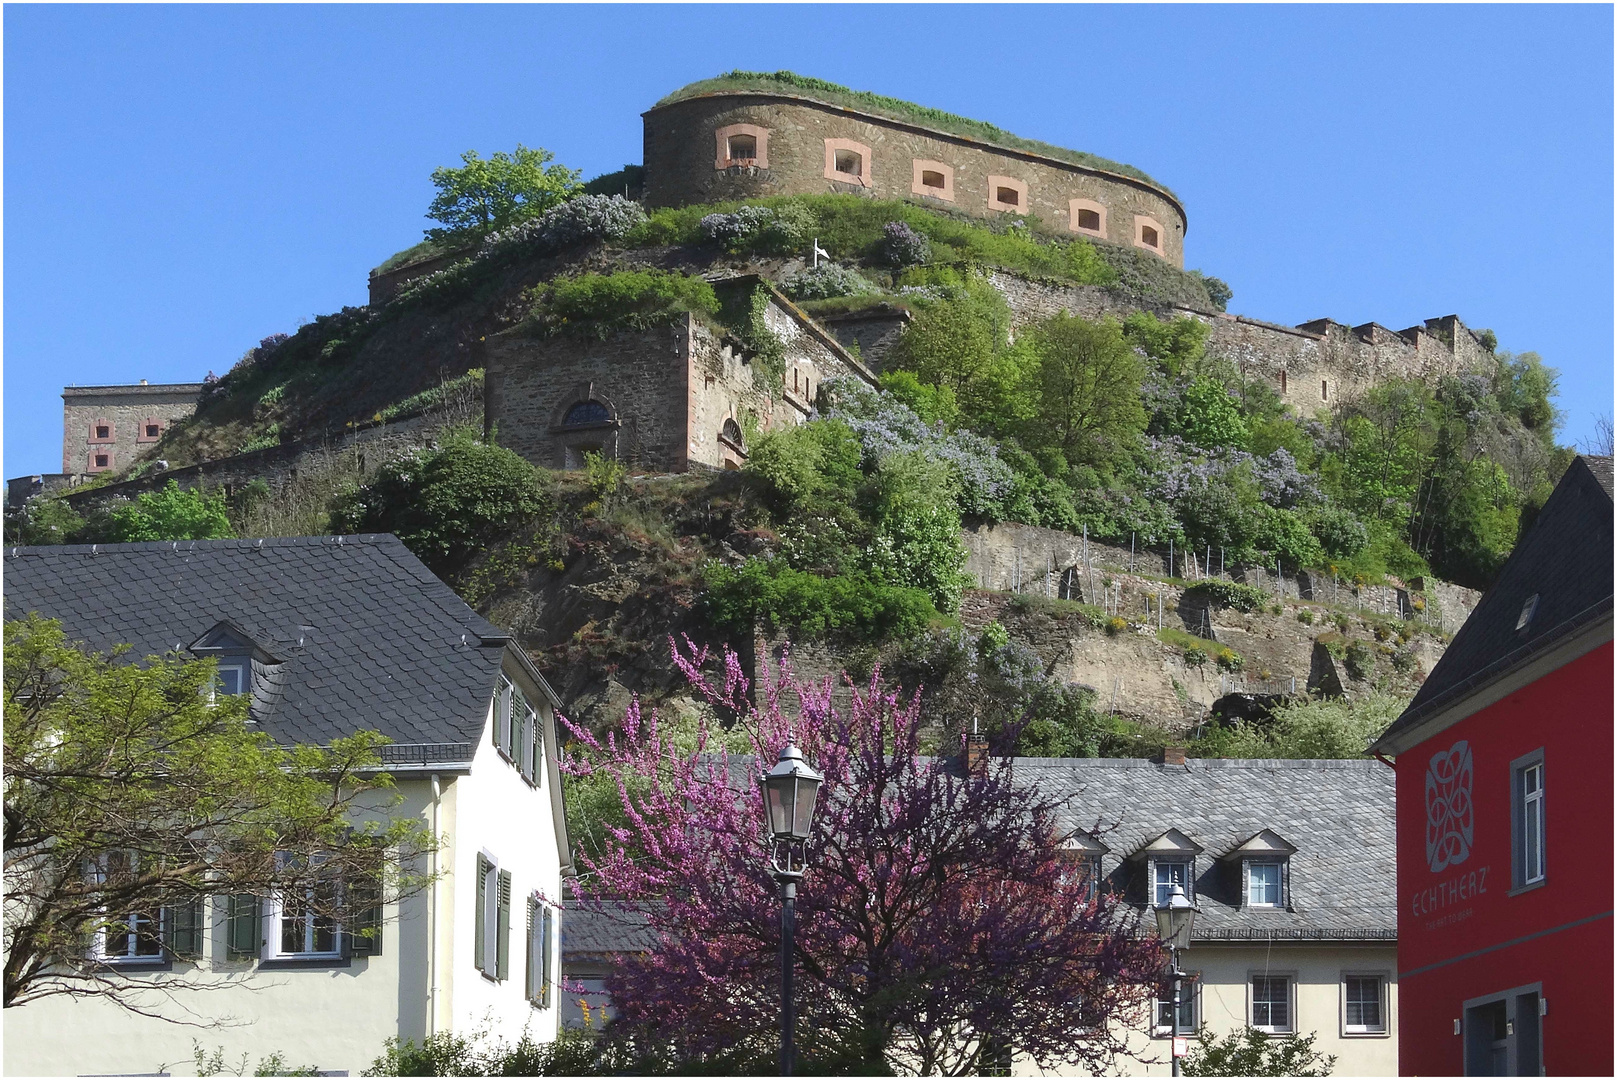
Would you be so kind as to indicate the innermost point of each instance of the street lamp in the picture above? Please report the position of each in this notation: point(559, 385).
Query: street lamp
point(790, 789)
point(1175, 920)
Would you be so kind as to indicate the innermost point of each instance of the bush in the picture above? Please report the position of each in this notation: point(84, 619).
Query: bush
point(446, 504)
point(586, 219)
point(572, 1053)
point(1195, 656)
point(1306, 616)
point(799, 463)
point(1231, 594)
point(169, 514)
point(1339, 532)
point(917, 542)
point(43, 521)
point(597, 304)
point(1358, 659)
point(779, 230)
point(1250, 1052)
point(1116, 625)
point(825, 281)
point(1230, 660)
point(767, 592)
point(903, 247)
point(1328, 728)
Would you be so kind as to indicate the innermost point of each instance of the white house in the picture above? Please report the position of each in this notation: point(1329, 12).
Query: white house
point(330, 635)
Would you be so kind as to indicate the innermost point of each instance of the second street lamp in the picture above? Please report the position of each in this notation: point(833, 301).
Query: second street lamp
point(790, 790)
point(1175, 920)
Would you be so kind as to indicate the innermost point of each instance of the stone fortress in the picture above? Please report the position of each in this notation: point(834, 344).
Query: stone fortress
point(675, 403)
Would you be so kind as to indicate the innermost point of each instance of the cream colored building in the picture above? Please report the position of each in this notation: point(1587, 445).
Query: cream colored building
point(330, 638)
point(1291, 864)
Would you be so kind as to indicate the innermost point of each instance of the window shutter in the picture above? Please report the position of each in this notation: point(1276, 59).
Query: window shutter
point(538, 748)
point(530, 972)
point(546, 947)
point(479, 932)
point(243, 935)
point(183, 924)
point(365, 897)
point(502, 939)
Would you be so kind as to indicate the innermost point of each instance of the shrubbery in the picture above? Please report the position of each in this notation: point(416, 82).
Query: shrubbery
point(448, 503)
point(769, 593)
point(586, 219)
point(597, 304)
point(824, 281)
point(169, 514)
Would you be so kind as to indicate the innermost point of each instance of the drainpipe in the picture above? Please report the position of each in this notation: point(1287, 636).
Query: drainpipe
point(1385, 762)
point(432, 920)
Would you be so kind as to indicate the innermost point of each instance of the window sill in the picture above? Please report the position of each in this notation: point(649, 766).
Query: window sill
point(134, 964)
point(1518, 890)
point(293, 963)
point(1366, 1034)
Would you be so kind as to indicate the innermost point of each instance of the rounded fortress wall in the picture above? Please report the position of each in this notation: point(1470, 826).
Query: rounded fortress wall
point(745, 144)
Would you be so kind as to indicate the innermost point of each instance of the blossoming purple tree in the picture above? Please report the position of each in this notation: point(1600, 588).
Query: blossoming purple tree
point(939, 925)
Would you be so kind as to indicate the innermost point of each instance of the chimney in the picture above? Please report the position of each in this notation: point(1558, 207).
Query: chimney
point(976, 750)
point(1173, 755)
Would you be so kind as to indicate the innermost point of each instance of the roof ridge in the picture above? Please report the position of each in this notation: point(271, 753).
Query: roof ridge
point(243, 543)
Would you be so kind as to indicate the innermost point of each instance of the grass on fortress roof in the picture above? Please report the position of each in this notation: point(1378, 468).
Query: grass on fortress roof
point(789, 82)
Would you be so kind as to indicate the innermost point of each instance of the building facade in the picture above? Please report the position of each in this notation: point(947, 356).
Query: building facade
point(104, 428)
point(740, 144)
point(667, 398)
point(329, 635)
point(1291, 864)
point(1504, 764)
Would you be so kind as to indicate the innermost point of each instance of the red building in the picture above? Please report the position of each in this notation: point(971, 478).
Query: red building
point(1504, 780)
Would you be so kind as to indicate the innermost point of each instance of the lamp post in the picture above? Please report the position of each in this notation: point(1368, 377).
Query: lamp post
point(789, 789)
point(1174, 922)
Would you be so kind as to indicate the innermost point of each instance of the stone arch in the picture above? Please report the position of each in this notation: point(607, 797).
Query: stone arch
point(585, 421)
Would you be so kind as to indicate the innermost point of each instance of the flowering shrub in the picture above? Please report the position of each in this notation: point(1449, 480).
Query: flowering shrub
point(779, 229)
point(825, 281)
point(908, 947)
point(1281, 483)
point(586, 219)
point(902, 246)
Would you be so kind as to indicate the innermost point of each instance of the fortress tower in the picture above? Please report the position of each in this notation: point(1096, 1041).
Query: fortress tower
point(744, 135)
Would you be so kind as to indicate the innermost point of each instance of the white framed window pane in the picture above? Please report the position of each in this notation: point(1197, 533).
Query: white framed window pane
point(1169, 874)
point(1271, 1003)
point(1364, 1004)
point(1263, 888)
point(232, 679)
point(1187, 1012)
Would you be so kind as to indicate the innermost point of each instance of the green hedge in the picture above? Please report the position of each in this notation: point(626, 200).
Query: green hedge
point(770, 593)
point(597, 304)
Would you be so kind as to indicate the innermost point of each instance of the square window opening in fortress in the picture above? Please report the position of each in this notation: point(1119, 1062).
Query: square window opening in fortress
point(1148, 236)
point(1008, 196)
point(932, 179)
point(848, 162)
point(1089, 219)
point(743, 148)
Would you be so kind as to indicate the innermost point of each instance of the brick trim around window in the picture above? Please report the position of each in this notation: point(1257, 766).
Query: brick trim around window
point(938, 171)
point(760, 137)
point(996, 183)
point(1076, 209)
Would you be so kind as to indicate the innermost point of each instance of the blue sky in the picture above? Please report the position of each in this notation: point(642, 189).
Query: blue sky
point(182, 181)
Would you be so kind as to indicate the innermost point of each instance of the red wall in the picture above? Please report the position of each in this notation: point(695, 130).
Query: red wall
point(1464, 907)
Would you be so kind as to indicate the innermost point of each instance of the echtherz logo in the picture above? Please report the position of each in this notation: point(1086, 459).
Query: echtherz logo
point(1448, 807)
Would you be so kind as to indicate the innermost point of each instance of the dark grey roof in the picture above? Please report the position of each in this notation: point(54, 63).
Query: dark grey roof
point(601, 928)
point(1565, 559)
point(1338, 815)
point(366, 636)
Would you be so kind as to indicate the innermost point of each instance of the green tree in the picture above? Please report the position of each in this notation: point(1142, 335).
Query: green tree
point(1209, 416)
point(170, 514)
point(447, 503)
point(133, 788)
point(1088, 381)
point(1174, 346)
point(917, 542)
point(482, 196)
point(960, 345)
point(1250, 1052)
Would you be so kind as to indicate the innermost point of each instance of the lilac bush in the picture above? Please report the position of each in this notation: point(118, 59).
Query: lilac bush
point(585, 219)
point(826, 280)
point(902, 246)
point(1282, 484)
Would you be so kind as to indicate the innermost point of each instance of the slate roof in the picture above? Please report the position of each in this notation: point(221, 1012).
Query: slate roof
point(1566, 559)
point(598, 932)
point(1338, 815)
point(365, 635)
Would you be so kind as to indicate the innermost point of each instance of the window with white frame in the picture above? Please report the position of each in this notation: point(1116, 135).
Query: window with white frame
point(1364, 1004)
point(1165, 874)
point(233, 676)
point(1163, 1014)
point(1527, 820)
point(1270, 999)
point(303, 917)
point(1263, 883)
point(491, 932)
point(127, 937)
point(543, 921)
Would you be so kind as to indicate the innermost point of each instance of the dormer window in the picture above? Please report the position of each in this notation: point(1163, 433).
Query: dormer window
point(1080, 857)
point(232, 678)
point(1165, 874)
point(235, 654)
point(1262, 884)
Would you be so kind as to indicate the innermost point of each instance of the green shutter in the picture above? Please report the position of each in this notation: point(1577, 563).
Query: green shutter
point(547, 935)
point(502, 938)
point(529, 972)
point(539, 748)
point(365, 897)
point(243, 935)
point(183, 925)
point(479, 933)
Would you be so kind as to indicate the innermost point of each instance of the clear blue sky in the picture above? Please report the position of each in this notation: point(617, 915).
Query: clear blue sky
point(181, 181)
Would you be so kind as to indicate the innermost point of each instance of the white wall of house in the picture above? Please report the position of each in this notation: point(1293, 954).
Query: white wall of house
point(1318, 972)
point(499, 814)
point(337, 1016)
